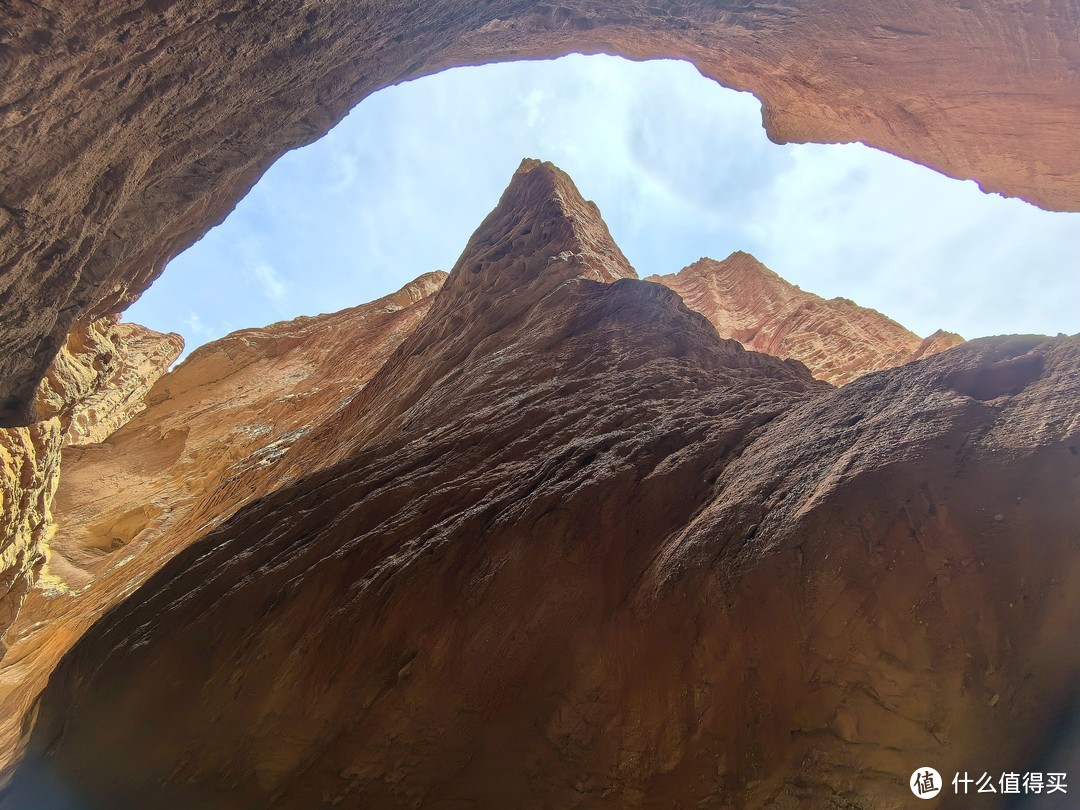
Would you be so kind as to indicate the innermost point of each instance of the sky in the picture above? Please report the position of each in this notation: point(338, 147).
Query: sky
point(680, 168)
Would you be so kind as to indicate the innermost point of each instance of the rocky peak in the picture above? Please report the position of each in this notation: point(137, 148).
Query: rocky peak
point(541, 233)
point(837, 339)
point(939, 341)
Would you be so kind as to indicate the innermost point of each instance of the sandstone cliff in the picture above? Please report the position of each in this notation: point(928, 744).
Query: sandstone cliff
point(569, 547)
point(130, 128)
point(94, 385)
point(836, 339)
point(209, 442)
point(29, 471)
point(97, 382)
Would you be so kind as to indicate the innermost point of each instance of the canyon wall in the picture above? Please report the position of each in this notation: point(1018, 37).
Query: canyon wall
point(569, 547)
point(209, 441)
point(218, 427)
point(95, 384)
point(836, 339)
point(132, 127)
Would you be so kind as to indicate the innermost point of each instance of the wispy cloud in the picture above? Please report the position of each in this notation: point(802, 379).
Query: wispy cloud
point(273, 285)
point(197, 330)
point(342, 171)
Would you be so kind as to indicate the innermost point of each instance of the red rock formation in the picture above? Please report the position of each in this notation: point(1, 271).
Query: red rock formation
point(95, 384)
point(210, 441)
point(574, 549)
point(937, 342)
point(836, 339)
point(132, 127)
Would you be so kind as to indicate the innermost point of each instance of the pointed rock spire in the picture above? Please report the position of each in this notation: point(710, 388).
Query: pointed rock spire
point(541, 233)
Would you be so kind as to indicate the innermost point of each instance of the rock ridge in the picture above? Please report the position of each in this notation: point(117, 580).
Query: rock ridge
point(836, 339)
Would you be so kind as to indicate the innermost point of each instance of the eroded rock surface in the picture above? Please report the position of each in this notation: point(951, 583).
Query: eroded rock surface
point(836, 339)
point(132, 127)
point(574, 549)
point(98, 381)
point(210, 441)
point(29, 472)
point(95, 384)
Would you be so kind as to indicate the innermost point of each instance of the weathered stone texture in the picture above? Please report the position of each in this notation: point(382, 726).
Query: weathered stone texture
point(836, 339)
point(94, 385)
point(568, 547)
point(209, 441)
point(130, 127)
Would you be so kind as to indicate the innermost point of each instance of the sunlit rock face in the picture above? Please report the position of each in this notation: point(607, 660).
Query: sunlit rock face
point(568, 547)
point(132, 127)
point(836, 339)
point(29, 472)
point(210, 440)
point(95, 384)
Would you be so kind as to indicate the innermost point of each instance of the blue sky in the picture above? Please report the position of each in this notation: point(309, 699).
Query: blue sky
point(680, 168)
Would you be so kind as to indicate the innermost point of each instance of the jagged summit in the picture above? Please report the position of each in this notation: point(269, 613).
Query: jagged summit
point(837, 339)
point(536, 252)
point(541, 233)
point(939, 341)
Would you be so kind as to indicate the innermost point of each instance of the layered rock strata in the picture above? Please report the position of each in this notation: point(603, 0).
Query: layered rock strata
point(571, 548)
point(98, 381)
point(29, 472)
point(133, 127)
point(836, 339)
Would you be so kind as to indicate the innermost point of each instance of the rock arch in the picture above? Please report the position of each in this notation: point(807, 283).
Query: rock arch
point(130, 128)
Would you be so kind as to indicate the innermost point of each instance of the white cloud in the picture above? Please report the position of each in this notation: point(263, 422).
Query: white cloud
point(343, 171)
point(533, 104)
point(273, 286)
point(927, 250)
point(197, 329)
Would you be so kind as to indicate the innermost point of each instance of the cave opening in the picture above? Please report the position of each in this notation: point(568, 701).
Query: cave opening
point(539, 531)
point(680, 168)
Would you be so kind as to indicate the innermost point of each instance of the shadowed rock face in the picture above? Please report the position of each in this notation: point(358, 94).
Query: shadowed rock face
point(574, 549)
point(131, 127)
point(836, 339)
